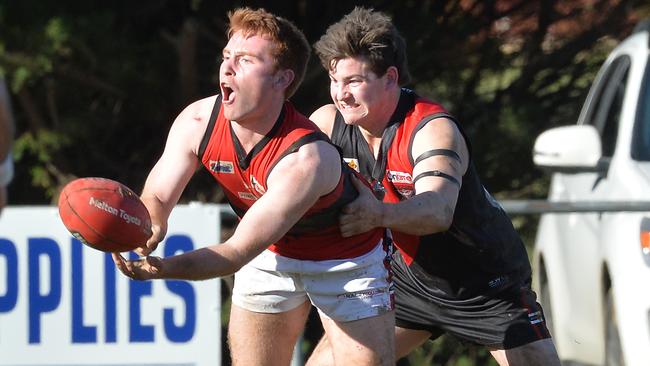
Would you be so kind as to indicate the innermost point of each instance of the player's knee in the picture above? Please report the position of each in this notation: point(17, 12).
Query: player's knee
point(538, 353)
point(322, 354)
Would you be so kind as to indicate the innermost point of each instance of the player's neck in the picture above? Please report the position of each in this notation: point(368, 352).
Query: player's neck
point(252, 129)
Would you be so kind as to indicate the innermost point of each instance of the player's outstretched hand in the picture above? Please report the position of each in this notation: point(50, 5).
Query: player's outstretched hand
point(146, 268)
point(363, 214)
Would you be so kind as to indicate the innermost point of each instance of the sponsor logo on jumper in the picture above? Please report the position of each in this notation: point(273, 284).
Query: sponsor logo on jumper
point(497, 282)
point(257, 186)
point(247, 196)
point(535, 317)
point(226, 167)
point(114, 211)
point(399, 177)
point(352, 163)
point(362, 294)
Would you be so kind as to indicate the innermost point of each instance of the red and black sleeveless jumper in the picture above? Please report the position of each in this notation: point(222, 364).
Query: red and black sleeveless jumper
point(480, 252)
point(243, 178)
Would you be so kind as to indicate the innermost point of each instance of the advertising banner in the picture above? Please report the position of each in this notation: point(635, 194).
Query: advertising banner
point(63, 303)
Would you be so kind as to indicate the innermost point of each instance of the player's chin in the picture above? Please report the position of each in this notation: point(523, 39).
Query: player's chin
point(230, 113)
point(351, 117)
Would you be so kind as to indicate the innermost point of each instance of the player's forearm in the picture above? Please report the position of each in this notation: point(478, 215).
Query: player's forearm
point(157, 211)
point(201, 264)
point(421, 215)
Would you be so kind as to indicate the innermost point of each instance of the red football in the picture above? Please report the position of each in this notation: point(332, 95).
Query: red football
point(104, 214)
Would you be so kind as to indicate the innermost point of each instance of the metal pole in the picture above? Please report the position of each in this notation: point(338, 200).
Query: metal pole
point(544, 206)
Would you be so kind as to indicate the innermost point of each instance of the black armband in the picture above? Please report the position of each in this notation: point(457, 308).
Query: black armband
point(437, 173)
point(445, 152)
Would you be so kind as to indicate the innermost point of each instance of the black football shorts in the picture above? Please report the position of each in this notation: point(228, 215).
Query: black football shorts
point(504, 320)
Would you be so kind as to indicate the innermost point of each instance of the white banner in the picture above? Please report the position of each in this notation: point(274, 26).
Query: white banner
point(62, 303)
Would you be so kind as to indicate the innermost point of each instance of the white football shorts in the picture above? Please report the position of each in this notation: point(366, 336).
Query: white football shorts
point(343, 290)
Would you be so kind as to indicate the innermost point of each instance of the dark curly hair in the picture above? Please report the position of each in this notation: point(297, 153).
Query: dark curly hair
point(365, 33)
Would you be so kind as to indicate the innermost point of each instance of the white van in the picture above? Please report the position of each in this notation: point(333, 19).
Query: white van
point(592, 269)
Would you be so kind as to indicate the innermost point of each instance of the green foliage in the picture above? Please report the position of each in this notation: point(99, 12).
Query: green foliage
point(43, 145)
point(57, 34)
point(447, 351)
point(96, 85)
point(112, 76)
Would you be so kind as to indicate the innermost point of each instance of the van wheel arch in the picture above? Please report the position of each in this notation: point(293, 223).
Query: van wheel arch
point(613, 349)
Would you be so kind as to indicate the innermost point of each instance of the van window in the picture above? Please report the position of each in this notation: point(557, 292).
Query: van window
point(605, 113)
point(641, 136)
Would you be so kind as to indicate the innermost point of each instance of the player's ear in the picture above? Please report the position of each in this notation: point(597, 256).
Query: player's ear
point(283, 78)
point(392, 76)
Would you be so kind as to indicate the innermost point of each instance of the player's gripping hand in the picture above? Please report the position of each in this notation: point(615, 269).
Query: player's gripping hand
point(146, 268)
point(363, 214)
point(157, 235)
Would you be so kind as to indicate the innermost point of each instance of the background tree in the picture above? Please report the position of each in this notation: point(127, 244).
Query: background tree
point(96, 85)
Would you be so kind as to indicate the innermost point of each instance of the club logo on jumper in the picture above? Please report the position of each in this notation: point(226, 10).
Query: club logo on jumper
point(352, 163)
point(535, 317)
point(226, 167)
point(247, 196)
point(406, 192)
point(399, 177)
point(257, 186)
point(402, 181)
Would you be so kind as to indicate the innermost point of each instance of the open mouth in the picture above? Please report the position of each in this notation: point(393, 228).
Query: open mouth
point(345, 106)
point(227, 93)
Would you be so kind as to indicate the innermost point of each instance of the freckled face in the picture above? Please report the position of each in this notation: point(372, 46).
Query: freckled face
point(356, 90)
point(246, 77)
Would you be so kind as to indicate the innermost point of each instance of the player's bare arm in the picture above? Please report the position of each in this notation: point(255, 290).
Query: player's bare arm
point(294, 185)
point(173, 170)
point(441, 157)
point(323, 117)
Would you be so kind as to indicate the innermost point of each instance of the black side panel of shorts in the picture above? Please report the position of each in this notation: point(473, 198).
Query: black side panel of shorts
point(505, 320)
